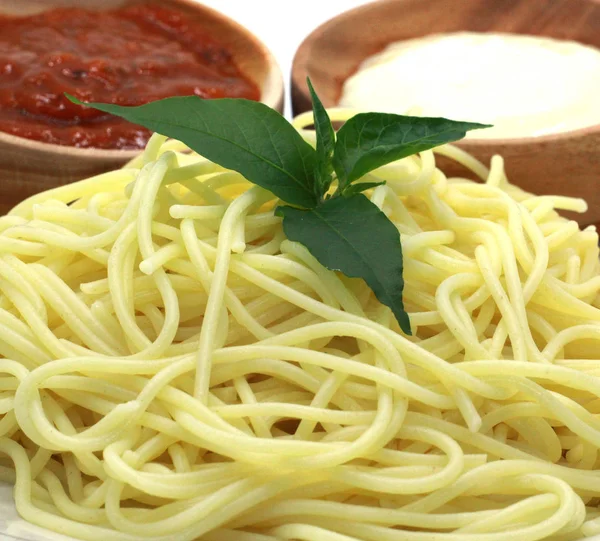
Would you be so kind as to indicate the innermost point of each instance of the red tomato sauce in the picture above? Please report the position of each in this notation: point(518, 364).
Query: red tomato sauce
point(127, 56)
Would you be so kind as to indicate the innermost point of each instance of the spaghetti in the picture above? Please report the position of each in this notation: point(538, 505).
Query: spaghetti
point(173, 368)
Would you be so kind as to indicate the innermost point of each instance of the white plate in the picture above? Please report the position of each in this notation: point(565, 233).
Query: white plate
point(13, 527)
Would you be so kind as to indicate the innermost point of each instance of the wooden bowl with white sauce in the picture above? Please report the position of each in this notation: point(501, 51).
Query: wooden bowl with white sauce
point(566, 163)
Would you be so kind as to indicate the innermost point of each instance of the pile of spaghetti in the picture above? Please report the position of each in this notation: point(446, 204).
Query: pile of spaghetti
point(173, 368)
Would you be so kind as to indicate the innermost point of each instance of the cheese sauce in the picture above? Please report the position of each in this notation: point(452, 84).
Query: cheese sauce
point(523, 85)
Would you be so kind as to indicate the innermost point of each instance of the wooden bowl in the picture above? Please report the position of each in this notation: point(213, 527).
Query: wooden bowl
point(28, 167)
point(567, 163)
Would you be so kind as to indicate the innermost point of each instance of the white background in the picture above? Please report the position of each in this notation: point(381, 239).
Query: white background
point(281, 24)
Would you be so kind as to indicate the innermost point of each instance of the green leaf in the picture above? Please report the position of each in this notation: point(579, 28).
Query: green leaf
point(242, 135)
point(353, 236)
point(353, 189)
point(325, 143)
point(369, 140)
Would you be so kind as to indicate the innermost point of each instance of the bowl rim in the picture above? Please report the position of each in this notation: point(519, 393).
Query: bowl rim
point(304, 52)
point(272, 94)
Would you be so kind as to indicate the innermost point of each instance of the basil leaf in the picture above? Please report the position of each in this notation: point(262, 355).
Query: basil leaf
point(325, 143)
point(369, 140)
point(353, 189)
point(242, 135)
point(353, 236)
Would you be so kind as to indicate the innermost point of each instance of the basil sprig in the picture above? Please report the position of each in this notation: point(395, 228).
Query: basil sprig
point(343, 229)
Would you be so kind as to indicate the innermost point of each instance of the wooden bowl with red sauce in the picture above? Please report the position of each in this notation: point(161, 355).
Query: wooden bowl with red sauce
point(566, 163)
point(51, 158)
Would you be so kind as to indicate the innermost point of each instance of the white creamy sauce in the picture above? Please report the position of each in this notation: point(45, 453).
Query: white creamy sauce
point(523, 85)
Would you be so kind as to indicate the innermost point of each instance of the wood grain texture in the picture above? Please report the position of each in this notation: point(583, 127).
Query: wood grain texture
point(28, 167)
point(566, 163)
